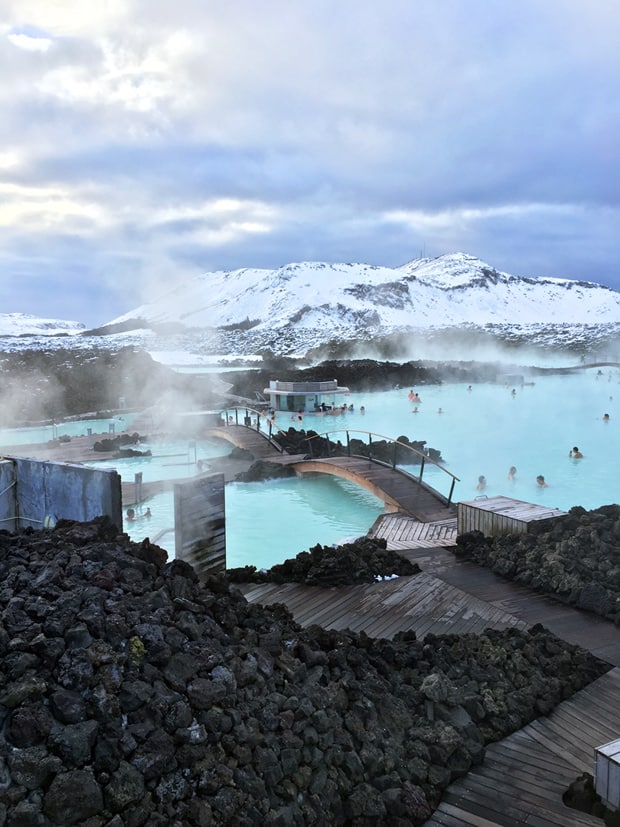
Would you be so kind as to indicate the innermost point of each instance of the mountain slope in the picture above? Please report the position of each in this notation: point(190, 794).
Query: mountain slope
point(21, 324)
point(450, 290)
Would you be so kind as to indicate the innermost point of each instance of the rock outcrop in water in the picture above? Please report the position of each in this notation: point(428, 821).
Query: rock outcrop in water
point(132, 694)
point(365, 560)
point(312, 444)
point(575, 557)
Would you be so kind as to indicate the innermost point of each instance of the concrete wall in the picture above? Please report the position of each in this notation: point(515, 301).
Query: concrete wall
point(45, 492)
point(200, 523)
point(7, 495)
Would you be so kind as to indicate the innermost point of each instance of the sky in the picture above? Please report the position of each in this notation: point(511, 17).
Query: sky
point(143, 142)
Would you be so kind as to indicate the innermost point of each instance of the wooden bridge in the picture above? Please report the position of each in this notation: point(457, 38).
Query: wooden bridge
point(399, 489)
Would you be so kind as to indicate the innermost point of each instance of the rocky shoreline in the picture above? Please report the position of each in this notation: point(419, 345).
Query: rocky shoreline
point(50, 385)
point(133, 694)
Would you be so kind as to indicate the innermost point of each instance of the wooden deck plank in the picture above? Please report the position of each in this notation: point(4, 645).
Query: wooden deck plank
point(462, 817)
point(541, 735)
point(491, 800)
point(572, 732)
point(536, 764)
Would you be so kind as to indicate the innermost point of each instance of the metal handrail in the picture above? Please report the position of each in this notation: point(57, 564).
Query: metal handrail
point(396, 443)
point(248, 412)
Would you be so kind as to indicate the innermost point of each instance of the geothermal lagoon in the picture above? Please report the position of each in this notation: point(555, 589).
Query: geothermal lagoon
point(481, 429)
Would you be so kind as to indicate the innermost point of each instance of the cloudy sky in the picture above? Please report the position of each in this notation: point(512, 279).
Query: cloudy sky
point(145, 141)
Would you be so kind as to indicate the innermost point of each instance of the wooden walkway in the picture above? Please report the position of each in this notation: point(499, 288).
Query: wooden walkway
point(523, 777)
point(249, 438)
point(421, 603)
point(597, 635)
point(402, 532)
point(398, 490)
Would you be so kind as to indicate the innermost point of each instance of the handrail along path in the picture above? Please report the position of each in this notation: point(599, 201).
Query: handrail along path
point(396, 443)
point(400, 489)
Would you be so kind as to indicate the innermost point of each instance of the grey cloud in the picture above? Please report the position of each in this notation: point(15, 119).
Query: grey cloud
point(496, 126)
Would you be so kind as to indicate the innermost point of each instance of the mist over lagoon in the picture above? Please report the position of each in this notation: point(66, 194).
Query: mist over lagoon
point(481, 431)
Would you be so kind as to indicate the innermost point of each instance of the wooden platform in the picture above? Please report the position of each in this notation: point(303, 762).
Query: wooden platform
point(501, 515)
point(404, 532)
point(523, 777)
point(422, 603)
point(599, 636)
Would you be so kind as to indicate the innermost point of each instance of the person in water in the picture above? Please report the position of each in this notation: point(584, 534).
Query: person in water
point(131, 515)
point(540, 482)
point(575, 453)
point(511, 472)
point(482, 483)
point(147, 513)
point(606, 417)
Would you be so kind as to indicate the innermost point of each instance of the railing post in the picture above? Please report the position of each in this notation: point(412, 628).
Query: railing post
point(451, 491)
point(421, 470)
point(328, 445)
point(369, 446)
point(348, 445)
point(395, 446)
point(236, 416)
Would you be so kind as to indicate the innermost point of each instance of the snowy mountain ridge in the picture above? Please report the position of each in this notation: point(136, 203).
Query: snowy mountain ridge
point(305, 306)
point(23, 324)
point(451, 290)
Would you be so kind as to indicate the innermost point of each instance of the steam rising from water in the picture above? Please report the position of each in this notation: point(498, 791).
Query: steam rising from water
point(29, 395)
point(474, 344)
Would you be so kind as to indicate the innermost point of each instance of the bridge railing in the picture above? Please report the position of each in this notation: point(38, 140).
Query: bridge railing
point(398, 450)
point(258, 421)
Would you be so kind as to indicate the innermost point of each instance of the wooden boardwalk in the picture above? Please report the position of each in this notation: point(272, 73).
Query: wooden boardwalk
point(523, 777)
point(597, 635)
point(399, 491)
point(249, 438)
point(402, 532)
point(421, 603)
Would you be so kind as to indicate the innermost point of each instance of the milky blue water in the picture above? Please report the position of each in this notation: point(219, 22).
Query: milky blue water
point(169, 460)
point(267, 523)
point(44, 433)
point(482, 431)
point(487, 430)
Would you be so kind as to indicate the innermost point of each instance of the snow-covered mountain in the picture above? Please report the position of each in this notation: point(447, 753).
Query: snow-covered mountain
point(306, 306)
point(309, 303)
point(21, 324)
